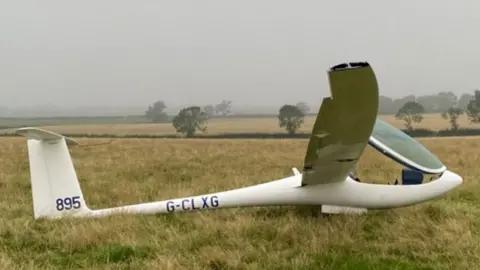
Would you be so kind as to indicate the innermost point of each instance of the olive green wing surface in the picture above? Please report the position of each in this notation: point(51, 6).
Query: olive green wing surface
point(343, 125)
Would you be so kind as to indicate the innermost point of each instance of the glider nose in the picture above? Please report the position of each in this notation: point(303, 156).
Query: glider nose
point(458, 180)
point(453, 178)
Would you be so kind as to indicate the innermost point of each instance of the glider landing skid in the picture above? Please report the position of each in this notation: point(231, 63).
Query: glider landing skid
point(345, 124)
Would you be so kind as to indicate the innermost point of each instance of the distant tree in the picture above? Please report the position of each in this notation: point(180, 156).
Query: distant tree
point(464, 100)
point(189, 120)
point(428, 102)
point(155, 112)
point(209, 110)
point(410, 112)
point(398, 103)
point(290, 117)
point(303, 107)
point(437, 103)
point(385, 105)
point(446, 100)
point(473, 108)
point(453, 113)
point(440, 102)
point(224, 107)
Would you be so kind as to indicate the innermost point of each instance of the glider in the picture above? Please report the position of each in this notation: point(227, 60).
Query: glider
point(345, 124)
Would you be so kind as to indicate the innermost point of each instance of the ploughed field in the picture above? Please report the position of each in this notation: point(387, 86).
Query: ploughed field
point(441, 234)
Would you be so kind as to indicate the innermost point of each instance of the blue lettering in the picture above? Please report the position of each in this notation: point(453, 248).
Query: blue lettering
point(76, 202)
point(68, 203)
point(183, 205)
point(205, 202)
point(170, 206)
point(214, 201)
point(189, 204)
point(60, 206)
point(193, 204)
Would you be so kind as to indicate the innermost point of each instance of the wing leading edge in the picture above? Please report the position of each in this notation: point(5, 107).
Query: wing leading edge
point(343, 125)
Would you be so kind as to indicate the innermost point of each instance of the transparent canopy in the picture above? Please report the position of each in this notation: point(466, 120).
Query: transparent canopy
point(404, 149)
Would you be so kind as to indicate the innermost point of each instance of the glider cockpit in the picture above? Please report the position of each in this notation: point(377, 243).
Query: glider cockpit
point(406, 151)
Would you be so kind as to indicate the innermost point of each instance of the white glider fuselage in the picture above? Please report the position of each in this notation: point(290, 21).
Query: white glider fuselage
point(287, 191)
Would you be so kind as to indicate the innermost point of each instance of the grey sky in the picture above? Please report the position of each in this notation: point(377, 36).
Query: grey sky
point(253, 52)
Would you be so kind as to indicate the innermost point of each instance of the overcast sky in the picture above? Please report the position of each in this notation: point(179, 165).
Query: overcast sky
point(253, 52)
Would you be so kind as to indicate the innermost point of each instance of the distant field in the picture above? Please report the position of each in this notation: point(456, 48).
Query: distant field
point(441, 234)
point(16, 122)
point(232, 125)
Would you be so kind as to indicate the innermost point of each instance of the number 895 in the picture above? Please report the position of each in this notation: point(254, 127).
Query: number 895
point(68, 203)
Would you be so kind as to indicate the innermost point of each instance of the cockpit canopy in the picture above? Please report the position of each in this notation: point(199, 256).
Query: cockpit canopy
point(403, 149)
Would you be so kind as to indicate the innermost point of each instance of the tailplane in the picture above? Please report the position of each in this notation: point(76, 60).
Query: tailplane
point(55, 188)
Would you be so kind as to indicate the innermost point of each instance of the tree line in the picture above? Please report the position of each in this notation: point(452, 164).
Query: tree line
point(434, 103)
point(410, 109)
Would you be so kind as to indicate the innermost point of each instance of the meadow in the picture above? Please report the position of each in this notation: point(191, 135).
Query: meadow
point(441, 234)
point(221, 125)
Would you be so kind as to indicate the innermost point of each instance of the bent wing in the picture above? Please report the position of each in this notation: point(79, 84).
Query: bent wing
point(343, 125)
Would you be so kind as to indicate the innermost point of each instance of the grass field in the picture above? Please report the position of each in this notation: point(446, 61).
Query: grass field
point(442, 234)
point(233, 125)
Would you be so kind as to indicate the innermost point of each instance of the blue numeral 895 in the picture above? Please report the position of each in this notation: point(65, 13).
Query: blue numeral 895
point(68, 203)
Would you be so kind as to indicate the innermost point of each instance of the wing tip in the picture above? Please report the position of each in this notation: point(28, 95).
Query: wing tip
point(349, 65)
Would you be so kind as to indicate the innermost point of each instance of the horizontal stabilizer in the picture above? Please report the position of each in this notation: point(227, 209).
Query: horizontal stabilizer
point(39, 134)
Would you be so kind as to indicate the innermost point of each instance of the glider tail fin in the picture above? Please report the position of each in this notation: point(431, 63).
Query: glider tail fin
point(56, 191)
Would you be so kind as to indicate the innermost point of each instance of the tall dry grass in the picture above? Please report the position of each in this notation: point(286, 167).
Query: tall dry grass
point(442, 234)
